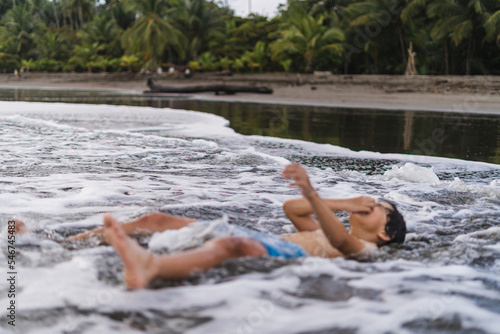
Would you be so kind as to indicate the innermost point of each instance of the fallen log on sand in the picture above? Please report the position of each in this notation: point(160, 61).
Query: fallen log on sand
point(226, 89)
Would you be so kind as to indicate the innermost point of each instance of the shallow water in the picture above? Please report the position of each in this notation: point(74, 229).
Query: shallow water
point(62, 166)
point(470, 136)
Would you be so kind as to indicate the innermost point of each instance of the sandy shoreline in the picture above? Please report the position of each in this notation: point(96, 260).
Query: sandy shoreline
point(444, 93)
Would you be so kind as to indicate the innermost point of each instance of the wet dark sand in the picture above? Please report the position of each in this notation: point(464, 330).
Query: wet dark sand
point(438, 93)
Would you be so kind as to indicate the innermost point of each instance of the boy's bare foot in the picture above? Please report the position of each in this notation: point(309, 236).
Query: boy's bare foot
point(140, 265)
point(20, 227)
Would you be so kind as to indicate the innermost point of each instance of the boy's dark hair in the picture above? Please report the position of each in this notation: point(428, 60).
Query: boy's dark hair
point(396, 226)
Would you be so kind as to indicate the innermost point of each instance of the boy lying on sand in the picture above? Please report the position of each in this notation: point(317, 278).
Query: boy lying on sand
point(373, 224)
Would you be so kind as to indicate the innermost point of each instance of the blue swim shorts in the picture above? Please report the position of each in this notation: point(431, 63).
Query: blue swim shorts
point(274, 245)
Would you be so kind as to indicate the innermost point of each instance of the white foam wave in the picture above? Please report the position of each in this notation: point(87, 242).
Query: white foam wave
point(413, 173)
point(492, 190)
point(64, 165)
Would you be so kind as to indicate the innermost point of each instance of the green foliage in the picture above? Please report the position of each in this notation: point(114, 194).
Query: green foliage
point(9, 62)
point(106, 33)
point(54, 45)
point(47, 65)
point(350, 36)
point(224, 63)
point(374, 27)
point(151, 31)
point(84, 57)
point(309, 37)
point(286, 63)
point(199, 22)
point(27, 65)
point(194, 65)
point(207, 62)
point(248, 59)
point(465, 22)
point(492, 27)
point(132, 63)
point(238, 64)
point(19, 31)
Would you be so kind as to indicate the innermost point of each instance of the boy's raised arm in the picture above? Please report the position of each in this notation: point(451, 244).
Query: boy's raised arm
point(332, 227)
point(302, 207)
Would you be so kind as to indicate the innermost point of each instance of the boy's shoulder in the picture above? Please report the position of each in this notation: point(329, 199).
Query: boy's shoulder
point(369, 246)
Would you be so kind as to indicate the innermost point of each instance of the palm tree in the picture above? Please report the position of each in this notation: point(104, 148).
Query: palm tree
point(257, 57)
point(151, 30)
point(379, 22)
point(54, 45)
point(492, 27)
point(207, 61)
point(425, 33)
point(105, 32)
point(81, 9)
point(308, 37)
point(84, 56)
point(130, 62)
point(56, 16)
point(40, 9)
point(199, 21)
point(464, 20)
point(260, 54)
point(19, 29)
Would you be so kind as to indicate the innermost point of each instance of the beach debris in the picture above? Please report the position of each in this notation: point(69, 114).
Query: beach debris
point(217, 88)
point(410, 68)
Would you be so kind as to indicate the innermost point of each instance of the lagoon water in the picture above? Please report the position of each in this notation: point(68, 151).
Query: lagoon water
point(64, 165)
point(459, 134)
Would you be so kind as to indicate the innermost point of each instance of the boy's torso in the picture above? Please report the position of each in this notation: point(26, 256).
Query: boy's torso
point(315, 243)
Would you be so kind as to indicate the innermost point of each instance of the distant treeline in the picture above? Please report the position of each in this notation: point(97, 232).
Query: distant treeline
point(342, 36)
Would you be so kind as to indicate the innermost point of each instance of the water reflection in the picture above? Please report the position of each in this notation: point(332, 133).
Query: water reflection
point(456, 135)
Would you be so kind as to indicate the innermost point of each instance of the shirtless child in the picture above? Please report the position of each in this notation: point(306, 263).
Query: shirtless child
point(372, 225)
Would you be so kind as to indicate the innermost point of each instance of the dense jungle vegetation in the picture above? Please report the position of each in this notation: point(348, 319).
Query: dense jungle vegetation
point(457, 37)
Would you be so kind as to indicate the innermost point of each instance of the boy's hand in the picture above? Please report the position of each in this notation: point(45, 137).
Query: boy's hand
point(299, 175)
point(361, 204)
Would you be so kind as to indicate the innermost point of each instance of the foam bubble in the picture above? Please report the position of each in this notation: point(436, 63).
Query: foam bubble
point(413, 173)
point(492, 190)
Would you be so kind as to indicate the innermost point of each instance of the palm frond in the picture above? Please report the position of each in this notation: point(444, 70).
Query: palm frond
point(413, 9)
point(462, 31)
point(444, 8)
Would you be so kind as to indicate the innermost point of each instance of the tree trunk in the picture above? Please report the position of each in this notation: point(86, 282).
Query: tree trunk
point(155, 61)
point(309, 60)
point(55, 14)
point(375, 60)
point(111, 10)
point(217, 88)
point(170, 57)
point(63, 10)
point(70, 17)
point(80, 13)
point(469, 58)
point(14, 3)
point(402, 42)
point(446, 64)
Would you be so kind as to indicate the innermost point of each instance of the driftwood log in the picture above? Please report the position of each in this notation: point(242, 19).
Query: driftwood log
point(226, 89)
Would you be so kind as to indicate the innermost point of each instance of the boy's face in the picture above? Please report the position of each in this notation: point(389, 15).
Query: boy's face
point(374, 221)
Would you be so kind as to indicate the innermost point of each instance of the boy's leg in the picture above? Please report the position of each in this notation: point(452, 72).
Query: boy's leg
point(141, 266)
point(153, 222)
